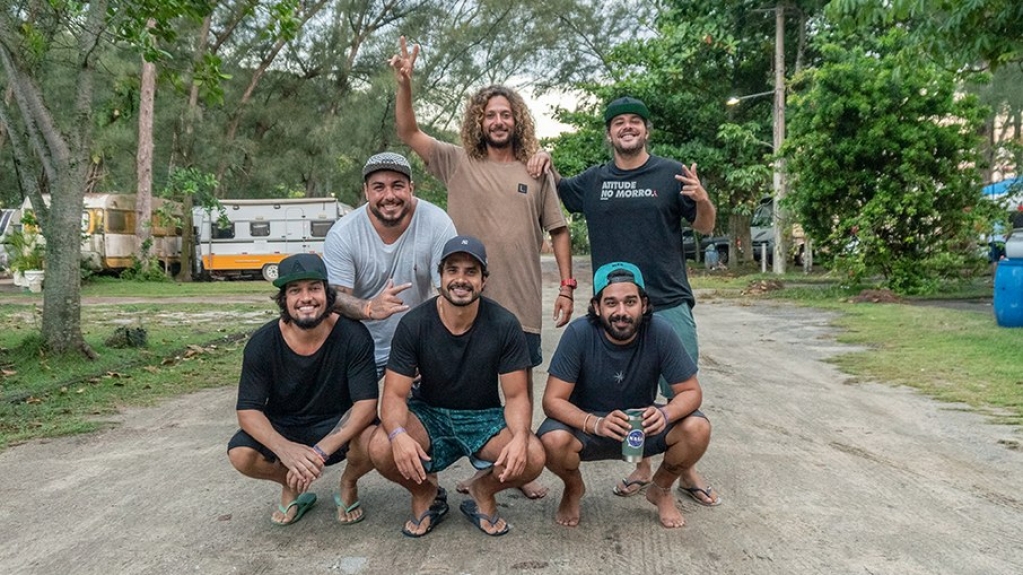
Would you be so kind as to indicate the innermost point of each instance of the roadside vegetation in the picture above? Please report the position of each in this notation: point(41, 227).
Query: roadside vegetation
point(954, 355)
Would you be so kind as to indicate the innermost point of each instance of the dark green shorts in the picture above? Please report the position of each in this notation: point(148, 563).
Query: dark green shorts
point(457, 433)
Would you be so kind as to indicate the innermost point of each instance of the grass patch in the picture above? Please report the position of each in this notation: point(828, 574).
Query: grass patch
point(189, 347)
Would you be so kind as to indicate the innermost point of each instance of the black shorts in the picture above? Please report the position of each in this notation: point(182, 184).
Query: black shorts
point(306, 435)
point(598, 448)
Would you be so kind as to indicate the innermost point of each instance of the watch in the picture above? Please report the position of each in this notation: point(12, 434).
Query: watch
point(569, 283)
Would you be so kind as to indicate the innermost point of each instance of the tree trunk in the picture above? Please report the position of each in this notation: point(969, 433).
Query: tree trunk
point(144, 155)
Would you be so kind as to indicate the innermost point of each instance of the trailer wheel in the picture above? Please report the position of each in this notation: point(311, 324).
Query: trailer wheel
point(270, 272)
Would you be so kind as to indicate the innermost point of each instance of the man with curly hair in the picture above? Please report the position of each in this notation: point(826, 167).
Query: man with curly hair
point(492, 196)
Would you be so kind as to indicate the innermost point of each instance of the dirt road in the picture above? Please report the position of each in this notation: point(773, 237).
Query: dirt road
point(818, 476)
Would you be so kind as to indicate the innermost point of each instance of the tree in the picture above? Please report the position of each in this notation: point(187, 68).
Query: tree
point(883, 156)
point(700, 55)
point(38, 42)
point(962, 34)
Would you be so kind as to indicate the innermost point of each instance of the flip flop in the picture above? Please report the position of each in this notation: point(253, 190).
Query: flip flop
point(303, 502)
point(348, 509)
point(628, 491)
point(692, 492)
point(435, 513)
point(473, 514)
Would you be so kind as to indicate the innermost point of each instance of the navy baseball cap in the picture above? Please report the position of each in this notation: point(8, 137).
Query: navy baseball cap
point(616, 272)
point(466, 244)
point(300, 267)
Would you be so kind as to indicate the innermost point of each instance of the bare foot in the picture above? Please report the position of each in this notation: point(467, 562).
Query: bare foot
point(661, 497)
point(533, 490)
point(570, 508)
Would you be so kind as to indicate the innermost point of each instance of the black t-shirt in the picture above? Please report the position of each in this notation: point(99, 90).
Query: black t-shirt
point(607, 376)
point(459, 371)
point(636, 216)
point(295, 390)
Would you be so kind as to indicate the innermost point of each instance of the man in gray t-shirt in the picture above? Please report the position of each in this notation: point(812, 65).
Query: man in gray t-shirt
point(382, 258)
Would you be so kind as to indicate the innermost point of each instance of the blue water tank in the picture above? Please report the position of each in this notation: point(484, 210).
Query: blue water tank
point(1008, 300)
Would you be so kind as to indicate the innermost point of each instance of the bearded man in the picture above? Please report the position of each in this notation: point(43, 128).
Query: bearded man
point(307, 397)
point(468, 351)
point(607, 364)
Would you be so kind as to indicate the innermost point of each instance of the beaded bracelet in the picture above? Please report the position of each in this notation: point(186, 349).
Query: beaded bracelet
point(397, 431)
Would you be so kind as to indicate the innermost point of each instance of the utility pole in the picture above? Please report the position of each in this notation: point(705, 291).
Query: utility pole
point(780, 221)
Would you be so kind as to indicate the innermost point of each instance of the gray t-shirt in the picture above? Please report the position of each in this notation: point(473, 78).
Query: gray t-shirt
point(357, 258)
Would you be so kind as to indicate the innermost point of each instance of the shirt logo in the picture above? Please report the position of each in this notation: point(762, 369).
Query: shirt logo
point(523, 189)
point(624, 190)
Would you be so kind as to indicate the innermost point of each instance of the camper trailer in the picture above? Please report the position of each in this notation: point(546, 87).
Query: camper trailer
point(250, 237)
point(108, 232)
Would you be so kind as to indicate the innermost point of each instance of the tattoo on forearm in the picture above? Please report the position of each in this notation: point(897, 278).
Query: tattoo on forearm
point(349, 305)
point(341, 423)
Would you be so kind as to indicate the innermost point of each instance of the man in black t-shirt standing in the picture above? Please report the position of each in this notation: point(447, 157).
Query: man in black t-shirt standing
point(606, 364)
point(307, 397)
point(466, 349)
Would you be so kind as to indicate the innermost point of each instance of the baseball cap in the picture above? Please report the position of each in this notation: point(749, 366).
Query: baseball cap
point(626, 105)
point(466, 244)
point(616, 272)
point(387, 161)
point(300, 267)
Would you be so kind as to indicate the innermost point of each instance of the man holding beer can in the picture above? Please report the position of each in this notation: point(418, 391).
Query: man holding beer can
point(600, 395)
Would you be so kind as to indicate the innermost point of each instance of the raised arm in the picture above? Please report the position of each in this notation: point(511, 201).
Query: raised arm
point(405, 117)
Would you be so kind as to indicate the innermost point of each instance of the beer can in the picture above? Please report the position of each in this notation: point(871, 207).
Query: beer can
point(632, 445)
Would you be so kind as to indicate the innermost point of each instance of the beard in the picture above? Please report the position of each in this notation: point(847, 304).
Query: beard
point(306, 322)
point(621, 334)
point(389, 221)
point(472, 297)
point(638, 145)
point(500, 144)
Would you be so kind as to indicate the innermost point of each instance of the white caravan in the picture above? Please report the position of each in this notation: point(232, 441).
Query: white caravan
point(260, 233)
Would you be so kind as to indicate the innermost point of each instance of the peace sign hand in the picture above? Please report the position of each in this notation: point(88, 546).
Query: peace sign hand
point(403, 62)
point(691, 185)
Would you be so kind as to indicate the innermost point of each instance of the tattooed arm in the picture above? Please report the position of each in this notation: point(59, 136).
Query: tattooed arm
point(351, 424)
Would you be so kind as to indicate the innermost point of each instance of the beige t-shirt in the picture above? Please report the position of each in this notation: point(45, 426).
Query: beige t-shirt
point(499, 203)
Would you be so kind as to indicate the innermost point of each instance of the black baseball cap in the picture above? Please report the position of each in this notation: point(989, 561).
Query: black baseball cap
point(300, 267)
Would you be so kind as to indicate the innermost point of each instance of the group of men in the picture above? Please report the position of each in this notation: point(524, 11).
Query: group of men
point(309, 396)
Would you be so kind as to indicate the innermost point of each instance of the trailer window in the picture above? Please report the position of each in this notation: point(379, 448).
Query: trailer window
point(219, 233)
point(120, 222)
point(319, 229)
point(259, 229)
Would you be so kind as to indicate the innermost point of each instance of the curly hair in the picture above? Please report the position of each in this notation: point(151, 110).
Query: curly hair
point(524, 142)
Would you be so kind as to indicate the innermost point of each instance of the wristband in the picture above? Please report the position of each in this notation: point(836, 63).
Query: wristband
point(586, 419)
point(596, 424)
point(570, 283)
point(320, 452)
point(397, 431)
point(664, 414)
point(568, 297)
